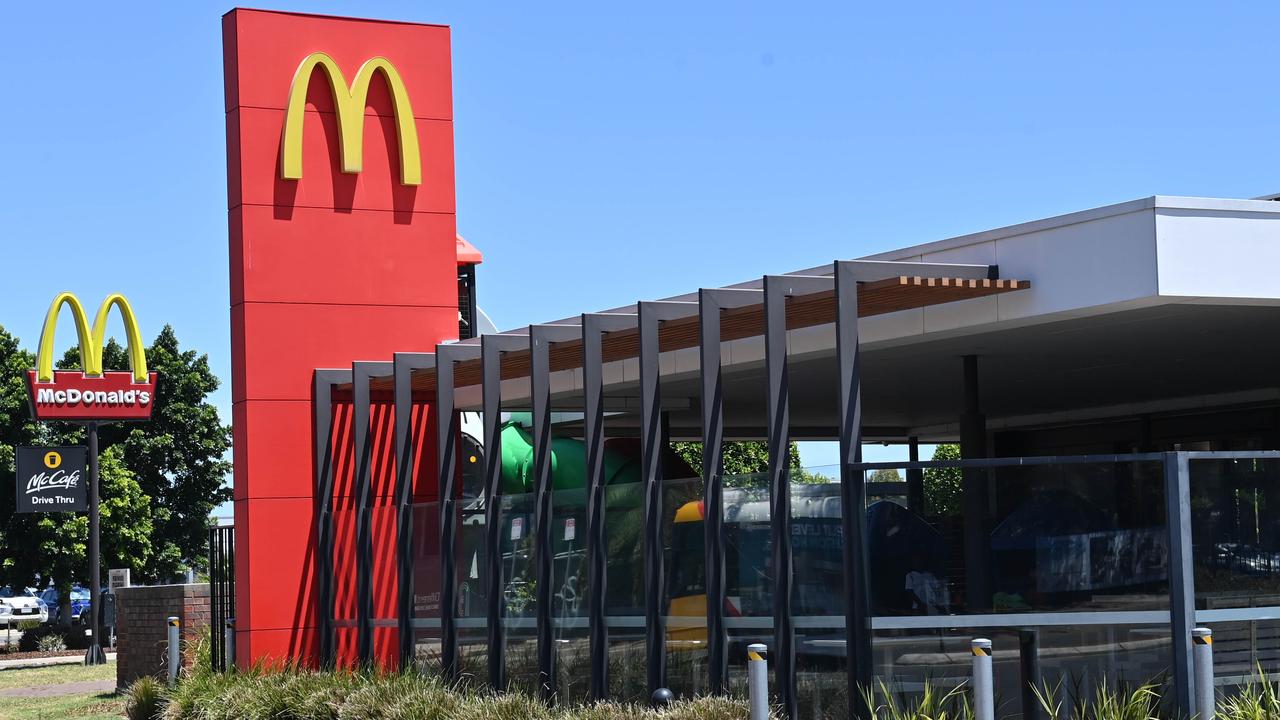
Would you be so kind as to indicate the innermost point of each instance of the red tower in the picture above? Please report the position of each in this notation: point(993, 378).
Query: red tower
point(340, 197)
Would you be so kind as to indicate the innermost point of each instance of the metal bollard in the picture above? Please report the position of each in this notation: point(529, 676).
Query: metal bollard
point(758, 681)
point(1202, 657)
point(174, 626)
point(229, 645)
point(984, 706)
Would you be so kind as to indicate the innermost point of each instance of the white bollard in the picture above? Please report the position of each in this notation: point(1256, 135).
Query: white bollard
point(758, 681)
point(1202, 658)
point(984, 706)
point(229, 644)
point(174, 626)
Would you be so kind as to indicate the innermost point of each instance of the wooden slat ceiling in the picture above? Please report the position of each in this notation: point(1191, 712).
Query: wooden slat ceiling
point(874, 298)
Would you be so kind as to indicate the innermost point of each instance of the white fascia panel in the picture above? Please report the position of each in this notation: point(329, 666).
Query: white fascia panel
point(1225, 255)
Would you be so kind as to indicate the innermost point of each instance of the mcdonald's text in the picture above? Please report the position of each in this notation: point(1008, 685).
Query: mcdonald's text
point(72, 395)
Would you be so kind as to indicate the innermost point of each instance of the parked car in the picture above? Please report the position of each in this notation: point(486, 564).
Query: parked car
point(79, 602)
point(20, 606)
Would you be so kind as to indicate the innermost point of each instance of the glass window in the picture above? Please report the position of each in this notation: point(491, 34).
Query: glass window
point(1235, 532)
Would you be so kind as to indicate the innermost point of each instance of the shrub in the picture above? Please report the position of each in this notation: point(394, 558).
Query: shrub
point(51, 643)
point(33, 639)
point(28, 625)
point(144, 699)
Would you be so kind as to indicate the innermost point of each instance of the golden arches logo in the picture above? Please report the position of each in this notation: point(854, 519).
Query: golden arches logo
point(349, 102)
point(92, 338)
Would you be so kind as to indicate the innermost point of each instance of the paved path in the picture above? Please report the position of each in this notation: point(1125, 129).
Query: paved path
point(71, 688)
point(23, 663)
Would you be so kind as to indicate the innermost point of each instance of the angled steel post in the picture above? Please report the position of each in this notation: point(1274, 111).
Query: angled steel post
point(492, 348)
point(322, 448)
point(853, 491)
point(777, 288)
point(361, 373)
point(711, 301)
point(540, 339)
point(403, 365)
point(653, 443)
point(1182, 590)
point(594, 326)
point(447, 466)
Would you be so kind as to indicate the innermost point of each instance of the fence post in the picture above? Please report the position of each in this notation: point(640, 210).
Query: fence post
point(758, 681)
point(1202, 657)
point(229, 645)
point(174, 626)
point(1029, 657)
point(984, 706)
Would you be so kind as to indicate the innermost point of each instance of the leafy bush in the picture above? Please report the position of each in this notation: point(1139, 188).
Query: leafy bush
point(144, 699)
point(33, 639)
point(932, 703)
point(1107, 703)
point(51, 643)
point(28, 625)
point(261, 693)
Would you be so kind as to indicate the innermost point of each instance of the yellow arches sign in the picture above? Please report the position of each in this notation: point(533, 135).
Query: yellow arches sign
point(349, 103)
point(91, 393)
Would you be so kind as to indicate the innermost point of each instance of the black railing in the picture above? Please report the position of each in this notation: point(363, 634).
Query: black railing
point(222, 594)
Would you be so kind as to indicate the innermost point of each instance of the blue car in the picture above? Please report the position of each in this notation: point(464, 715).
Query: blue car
point(79, 602)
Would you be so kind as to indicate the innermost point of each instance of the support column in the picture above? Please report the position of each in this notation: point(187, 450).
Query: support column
point(403, 366)
point(361, 373)
point(594, 326)
point(492, 347)
point(447, 429)
point(653, 443)
point(973, 445)
point(853, 492)
point(710, 303)
point(915, 478)
point(777, 289)
point(1182, 590)
point(322, 451)
point(540, 339)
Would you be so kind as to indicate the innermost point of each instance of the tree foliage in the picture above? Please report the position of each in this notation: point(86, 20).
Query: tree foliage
point(742, 459)
point(943, 487)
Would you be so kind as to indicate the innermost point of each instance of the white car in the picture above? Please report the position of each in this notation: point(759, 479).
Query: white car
point(21, 607)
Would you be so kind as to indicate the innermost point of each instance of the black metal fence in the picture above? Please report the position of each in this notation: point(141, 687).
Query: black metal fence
point(222, 593)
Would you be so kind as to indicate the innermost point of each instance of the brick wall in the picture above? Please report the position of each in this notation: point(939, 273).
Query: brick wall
point(142, 645)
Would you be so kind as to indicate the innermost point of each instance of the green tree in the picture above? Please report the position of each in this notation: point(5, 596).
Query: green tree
point(179, 457)
point(741, 459)
point(885, 475)
point(943, 486)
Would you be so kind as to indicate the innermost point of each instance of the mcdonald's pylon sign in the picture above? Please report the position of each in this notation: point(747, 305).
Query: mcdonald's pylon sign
point(91, 393)
point(349, 103)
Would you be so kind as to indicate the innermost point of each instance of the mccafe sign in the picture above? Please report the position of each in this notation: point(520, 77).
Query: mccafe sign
point(91, 393)
point(51, 479)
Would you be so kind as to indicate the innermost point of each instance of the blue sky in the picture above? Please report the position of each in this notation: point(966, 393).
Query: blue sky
point(636, 152)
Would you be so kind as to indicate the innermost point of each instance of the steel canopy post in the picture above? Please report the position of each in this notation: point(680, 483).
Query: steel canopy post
point(361, 374)
point(540, 339)
point(653, 442)
point(447, 465)
point(776, 291)
point(491, 349)
point(710, 303)
point(322, 448)
point(1182, 591)
point(853, 491)
point(403, 365)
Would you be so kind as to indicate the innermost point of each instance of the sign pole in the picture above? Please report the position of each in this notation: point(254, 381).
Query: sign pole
point(94, 656)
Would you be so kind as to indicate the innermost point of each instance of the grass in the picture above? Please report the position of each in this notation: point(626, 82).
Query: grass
point(81, 706)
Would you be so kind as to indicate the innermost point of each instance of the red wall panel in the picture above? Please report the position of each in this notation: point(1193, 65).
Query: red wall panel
point(328, 269)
